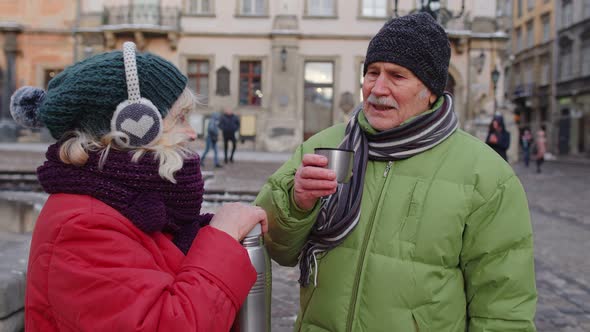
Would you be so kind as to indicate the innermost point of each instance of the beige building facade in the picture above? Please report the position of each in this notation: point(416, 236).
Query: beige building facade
point(571, 116)
point(532, 55)
point(289, 68)
point(36, 43)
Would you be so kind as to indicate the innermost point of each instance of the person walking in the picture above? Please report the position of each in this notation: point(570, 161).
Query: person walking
point(498, 138)
point(541, 148)
point(229, 125)
point(432, 232)
point(121, 243)
point(211, 139)
point(526, 142)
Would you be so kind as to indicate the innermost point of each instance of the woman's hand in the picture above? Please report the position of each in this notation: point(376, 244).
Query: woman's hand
point(237, 219)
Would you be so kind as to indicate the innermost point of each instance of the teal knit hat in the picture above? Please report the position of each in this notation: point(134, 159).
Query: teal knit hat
point(85, 95)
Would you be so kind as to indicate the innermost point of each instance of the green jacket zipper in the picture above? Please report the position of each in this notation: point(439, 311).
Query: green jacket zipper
point(352, 306)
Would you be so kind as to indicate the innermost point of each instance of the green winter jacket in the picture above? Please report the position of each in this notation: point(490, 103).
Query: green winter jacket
point(444, 244)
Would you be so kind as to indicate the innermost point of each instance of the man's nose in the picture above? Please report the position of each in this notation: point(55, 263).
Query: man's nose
point(380, 87)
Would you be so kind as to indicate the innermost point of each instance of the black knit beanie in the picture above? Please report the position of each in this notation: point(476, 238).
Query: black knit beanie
point(416, 42)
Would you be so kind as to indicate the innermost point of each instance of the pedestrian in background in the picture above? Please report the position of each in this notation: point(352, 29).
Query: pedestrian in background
point(229, 125)
point(526, 142)
point(120, 244)
point(541, 148)
point(498, 138)
point(211, 139)
point(432, 233)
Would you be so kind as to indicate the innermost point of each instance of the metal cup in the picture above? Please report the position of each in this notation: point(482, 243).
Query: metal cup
point(340, 161)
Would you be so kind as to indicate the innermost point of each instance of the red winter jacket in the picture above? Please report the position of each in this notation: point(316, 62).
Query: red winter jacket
point(91, 269)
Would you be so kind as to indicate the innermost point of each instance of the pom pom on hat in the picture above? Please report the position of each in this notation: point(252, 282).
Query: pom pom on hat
point(25, 104)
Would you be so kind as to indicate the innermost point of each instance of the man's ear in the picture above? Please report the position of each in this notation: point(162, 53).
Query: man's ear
point(432, 99)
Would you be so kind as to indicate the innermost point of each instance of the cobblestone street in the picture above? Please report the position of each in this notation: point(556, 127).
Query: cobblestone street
point(559, 200)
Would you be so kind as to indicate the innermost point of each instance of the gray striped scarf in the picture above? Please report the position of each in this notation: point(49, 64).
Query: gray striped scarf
point(340, 212)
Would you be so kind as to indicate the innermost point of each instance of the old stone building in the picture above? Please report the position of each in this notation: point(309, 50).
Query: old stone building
point(572, 85)
point(532, 57)
point(36, 43)
point(288, 67)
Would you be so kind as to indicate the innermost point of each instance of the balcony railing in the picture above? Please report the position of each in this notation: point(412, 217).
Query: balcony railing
point(142, 14)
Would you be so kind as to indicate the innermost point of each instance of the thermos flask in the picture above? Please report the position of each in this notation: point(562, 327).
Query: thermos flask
point(254, 315)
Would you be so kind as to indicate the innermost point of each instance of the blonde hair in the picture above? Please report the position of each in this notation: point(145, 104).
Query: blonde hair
point(170, 150)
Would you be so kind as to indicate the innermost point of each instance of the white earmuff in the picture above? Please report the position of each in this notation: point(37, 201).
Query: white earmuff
point(138, 118)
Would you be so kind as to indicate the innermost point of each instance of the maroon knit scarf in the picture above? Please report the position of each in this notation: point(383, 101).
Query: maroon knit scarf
point(136, 190)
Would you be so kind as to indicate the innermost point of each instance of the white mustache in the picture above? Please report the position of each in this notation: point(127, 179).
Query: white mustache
point(382, 101)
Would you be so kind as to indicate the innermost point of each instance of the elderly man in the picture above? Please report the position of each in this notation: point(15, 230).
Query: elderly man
point(432, 233)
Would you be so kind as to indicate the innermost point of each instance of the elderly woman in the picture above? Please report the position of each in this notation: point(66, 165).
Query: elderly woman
point(120, 244)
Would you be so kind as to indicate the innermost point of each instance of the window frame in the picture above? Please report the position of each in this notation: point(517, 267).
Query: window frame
point(199, 75)
point(361, 15)
point(240, 13)
point(189, 12)
point(250, 93)
point(334, 85)
point(566, 51)
point(308, 14)
point(530, 4)
point(546, 18)
point(530, 33)
point(567, 13)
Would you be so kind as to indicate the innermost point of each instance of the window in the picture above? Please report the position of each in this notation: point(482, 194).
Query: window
point(567, 13)
point(200, 7)
point(528, 72)
point(565, 61)
point(518, 40)
point(530, 4)
point(586, 57)
point(49, 74)
point(508, 8)
point(530, 34)
point(91, 6)
point(253, 7)
point(318, 96)
point(374, 8)
point(586, 8)
point(145, 12)
point(250, 83)
point(321, 8)
point(545, 70)
point(517, 76)
point(519, 8)
point(198, 77)
point(546, 21)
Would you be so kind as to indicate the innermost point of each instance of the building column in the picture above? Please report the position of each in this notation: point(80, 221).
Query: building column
point(8, 128)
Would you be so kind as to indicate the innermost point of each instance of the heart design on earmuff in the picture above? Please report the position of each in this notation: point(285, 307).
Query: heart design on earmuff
point(138, 128)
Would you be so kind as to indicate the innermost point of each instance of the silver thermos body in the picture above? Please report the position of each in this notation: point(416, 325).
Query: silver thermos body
point(254, 315)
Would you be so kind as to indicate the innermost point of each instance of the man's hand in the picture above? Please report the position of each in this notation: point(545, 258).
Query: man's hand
point(313, 181)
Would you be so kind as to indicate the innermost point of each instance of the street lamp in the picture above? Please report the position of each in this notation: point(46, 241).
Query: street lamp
point(495, 77)
point(437, 9)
